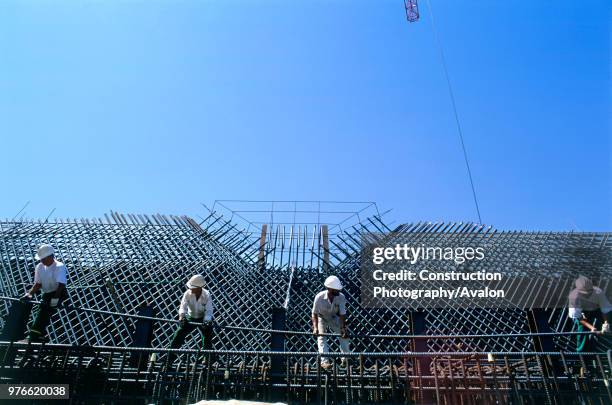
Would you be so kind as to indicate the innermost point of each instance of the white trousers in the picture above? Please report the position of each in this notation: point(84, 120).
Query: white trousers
point(333, 325)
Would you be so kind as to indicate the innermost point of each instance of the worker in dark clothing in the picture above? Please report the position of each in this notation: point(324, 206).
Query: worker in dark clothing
point(50, 277)
point(588, 305)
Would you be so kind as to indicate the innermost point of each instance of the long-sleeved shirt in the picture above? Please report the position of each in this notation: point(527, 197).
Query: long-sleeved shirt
point(197, 308)
point(580, 302)
point(324, 308)
point(50, 276)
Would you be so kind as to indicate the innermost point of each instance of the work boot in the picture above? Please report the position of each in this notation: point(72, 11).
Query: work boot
point(38, 339)
point(326, 365)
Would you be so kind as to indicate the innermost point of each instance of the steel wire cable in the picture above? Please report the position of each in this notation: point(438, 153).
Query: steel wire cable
point(454, 104)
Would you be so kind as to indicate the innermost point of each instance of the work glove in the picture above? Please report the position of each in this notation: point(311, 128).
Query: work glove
point(183, 322)
point(208, 324)
point(605, 328)
point(344, 333)
point(595, 331)
point(54, 301)
point(26, 297)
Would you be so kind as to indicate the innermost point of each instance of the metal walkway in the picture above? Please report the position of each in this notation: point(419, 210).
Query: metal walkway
point(121, 375)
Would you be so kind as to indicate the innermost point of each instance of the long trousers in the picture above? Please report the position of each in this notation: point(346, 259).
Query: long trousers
point(333, 325)
point(43, 315)
point(183, 331)
point(588, 343)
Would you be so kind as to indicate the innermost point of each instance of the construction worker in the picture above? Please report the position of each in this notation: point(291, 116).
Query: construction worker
point(587, 305)
point(329, 312)
point(50, 277)
point(196, 308)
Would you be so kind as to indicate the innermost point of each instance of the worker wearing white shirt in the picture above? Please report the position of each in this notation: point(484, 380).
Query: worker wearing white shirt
point(587, 304)
point(49, 277)
point(329, 312)
point(196, 307)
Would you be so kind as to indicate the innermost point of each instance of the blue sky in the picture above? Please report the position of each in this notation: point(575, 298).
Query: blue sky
point(156, 106)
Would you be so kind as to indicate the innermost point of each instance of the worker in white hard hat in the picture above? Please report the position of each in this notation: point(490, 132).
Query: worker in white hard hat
point(50, 277)
point(588, 305)
point(195, 311)
point(329, 313)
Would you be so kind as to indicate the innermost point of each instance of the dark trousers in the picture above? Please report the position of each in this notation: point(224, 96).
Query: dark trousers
point(43, 315)
point(183, 331)
point(588, 343)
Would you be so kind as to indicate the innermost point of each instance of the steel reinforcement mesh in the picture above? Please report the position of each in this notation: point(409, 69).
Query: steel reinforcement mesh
point(127, 261)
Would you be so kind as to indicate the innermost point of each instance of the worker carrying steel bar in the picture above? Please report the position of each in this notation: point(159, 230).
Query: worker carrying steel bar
point(50, 277)
point(587, 305)
point(195, 312)
point(329, 312)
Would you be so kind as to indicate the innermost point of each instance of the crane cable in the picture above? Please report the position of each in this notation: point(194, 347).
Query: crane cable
point(452, 97)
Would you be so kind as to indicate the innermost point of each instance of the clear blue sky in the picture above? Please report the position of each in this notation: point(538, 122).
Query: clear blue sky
point(156, 106)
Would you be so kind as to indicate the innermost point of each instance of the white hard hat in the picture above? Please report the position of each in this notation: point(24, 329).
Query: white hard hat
point(584, 285)
point(44, 251)
point(196, 281)
point(333, 282)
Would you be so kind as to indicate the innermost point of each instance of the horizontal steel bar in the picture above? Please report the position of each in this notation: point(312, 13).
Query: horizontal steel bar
point(289, 332)
point(303, 354)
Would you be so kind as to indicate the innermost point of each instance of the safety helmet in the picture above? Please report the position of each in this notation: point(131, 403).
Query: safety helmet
point(196, 281)
point(584, 285)
point(44, 251)
point(333, 282)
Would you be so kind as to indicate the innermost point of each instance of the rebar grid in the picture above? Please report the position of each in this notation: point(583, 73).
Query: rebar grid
point(126, 261)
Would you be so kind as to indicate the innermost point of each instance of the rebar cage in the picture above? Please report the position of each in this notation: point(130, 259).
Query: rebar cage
point(139, 375)
point(252, 267)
